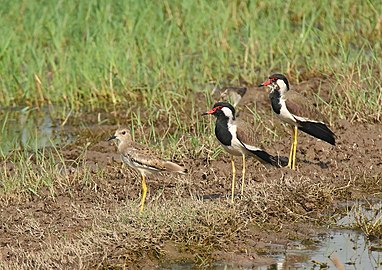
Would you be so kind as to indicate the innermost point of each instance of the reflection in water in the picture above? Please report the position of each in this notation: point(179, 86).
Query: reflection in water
point(28, 129)
point(351, 248)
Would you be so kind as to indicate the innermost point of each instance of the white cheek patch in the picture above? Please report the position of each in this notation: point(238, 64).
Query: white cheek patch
point(227, 112)
point(283, 87)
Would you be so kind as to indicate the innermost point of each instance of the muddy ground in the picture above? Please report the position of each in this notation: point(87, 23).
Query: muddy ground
point(34, 227)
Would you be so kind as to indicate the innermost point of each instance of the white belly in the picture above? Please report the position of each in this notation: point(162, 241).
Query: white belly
point(235, 149)
point(285, 116)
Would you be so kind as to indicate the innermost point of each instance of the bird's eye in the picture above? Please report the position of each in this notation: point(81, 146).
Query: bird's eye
point(123, 132)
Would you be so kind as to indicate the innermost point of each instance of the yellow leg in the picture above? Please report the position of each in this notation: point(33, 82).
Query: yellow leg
point(144, 191)
point(233, 179)
point(294, 148)
point(291, 151)
point(243, 177)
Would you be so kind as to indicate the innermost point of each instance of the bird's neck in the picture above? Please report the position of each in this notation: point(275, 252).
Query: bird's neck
point(222, 130)
point(123, 145)
point(275, 98)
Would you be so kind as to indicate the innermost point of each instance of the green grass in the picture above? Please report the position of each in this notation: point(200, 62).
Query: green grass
point(33, 172)
point(90, 54)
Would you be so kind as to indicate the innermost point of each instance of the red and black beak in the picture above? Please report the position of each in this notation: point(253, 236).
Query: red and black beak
point(213, 110)
point(266, 83)
point(209, 112)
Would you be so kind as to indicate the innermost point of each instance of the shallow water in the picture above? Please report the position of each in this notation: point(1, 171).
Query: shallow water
point(351, 248)
point(26, 128)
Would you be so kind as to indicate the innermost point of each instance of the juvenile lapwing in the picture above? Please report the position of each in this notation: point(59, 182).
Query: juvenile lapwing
point(298, 111)
point(141, 159)
point(237, 138)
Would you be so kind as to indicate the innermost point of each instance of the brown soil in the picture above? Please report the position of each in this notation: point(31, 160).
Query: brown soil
point(37, 224)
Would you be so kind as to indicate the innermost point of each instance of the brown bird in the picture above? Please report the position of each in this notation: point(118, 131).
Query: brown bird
point(237, 139)
point(298, 111)
point(230, 93)
point(141, 159)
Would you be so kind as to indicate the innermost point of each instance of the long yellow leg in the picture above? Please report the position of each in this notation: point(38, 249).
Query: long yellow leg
point(243, 177)
point(294, 148)
point(144, 191)
point(291, 151)
point(233, 179)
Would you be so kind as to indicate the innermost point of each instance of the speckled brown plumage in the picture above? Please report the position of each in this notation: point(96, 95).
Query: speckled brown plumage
point(142, 159)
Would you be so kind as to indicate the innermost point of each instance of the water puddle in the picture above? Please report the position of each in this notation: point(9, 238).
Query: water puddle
point(346, 247)
point(28, 128)
point(351, 249)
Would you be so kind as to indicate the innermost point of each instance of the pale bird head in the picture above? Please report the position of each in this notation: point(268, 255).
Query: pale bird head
point(121, 135)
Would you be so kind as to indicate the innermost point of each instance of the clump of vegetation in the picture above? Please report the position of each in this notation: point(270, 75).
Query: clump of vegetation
point(28, 173)
point(368, 219)
point(289, 199)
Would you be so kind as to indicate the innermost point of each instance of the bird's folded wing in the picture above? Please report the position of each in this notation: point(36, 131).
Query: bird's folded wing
point(145, 159)
point(246, 134)
point(302, 107)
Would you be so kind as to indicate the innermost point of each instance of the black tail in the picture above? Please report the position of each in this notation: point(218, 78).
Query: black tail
point(264, 157)
point(318, 130)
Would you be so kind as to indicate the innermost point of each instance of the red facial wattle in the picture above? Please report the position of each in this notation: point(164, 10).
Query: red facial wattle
point(213, 110)
point(266, 83)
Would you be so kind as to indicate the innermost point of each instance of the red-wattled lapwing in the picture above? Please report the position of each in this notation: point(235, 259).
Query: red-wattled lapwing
point(141, 159)
point(298, 111)
point(237, 139)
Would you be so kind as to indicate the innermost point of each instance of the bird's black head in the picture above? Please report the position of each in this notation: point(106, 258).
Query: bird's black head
point(222, 109)
point(277, 81)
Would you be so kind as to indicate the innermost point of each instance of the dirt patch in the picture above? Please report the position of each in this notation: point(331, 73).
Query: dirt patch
point(91, 221)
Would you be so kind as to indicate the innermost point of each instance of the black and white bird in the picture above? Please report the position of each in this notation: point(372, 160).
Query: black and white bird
point(237, 139)
point(298, 111)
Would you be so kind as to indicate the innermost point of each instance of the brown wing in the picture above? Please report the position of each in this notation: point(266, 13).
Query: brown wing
point(145, 157)
point(301, 106)
point(245, 133)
